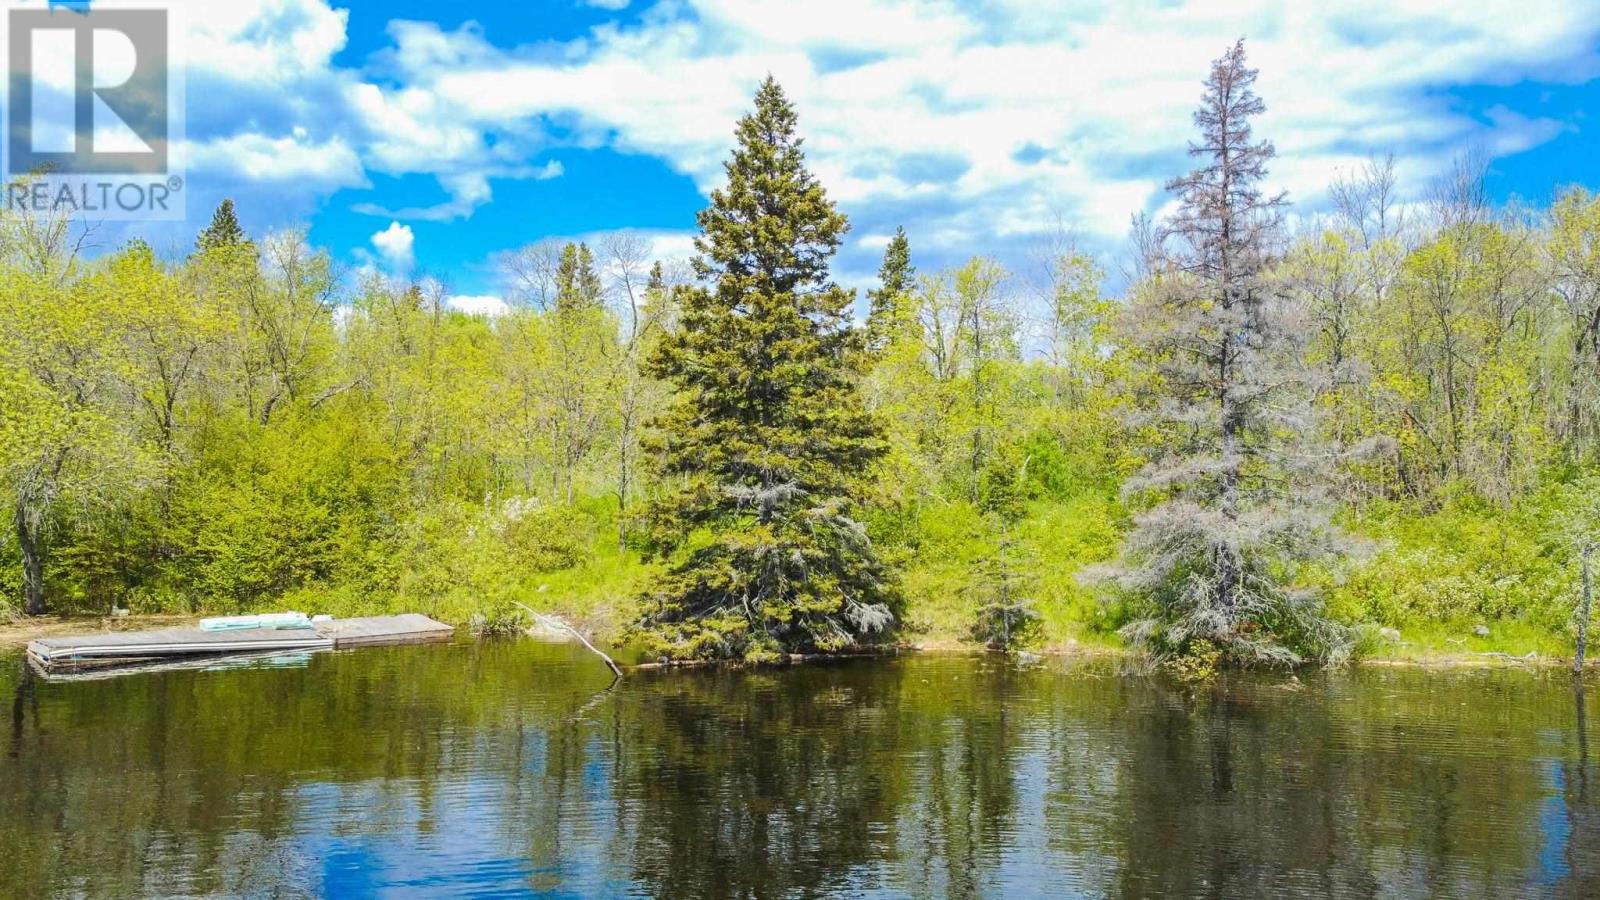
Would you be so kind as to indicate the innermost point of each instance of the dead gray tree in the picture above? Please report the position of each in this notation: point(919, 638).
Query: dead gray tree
point(1237, 479)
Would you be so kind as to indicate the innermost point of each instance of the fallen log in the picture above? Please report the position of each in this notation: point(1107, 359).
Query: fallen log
point(559, 624)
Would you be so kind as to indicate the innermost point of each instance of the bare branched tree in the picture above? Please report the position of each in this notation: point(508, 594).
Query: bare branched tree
point(641, 292)
point(1460, 198)
point(531, 272)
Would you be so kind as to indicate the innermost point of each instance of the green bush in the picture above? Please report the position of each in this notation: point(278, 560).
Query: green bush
point(1466, 562)
point(549, 538)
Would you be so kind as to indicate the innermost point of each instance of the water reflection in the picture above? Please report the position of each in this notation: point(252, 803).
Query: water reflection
point(490, 768)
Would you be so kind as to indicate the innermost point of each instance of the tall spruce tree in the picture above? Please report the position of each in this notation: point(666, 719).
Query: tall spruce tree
point(887, 303)
point(1236, 485)
point(768, 437)
point(224, 230)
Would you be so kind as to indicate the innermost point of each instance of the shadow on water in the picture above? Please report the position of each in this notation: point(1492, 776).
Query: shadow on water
point(501, 767)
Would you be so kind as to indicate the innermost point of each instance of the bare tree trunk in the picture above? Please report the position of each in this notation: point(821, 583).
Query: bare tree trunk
point(1583, 608)
point(1005, 590)
point(622, 491)
point(1227, 571)
point(977, 401)
point(29, 525)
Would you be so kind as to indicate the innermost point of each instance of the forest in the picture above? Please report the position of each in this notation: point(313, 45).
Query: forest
point(1289, 435)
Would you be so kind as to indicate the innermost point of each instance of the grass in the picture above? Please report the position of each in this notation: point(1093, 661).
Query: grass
point(1431, 641)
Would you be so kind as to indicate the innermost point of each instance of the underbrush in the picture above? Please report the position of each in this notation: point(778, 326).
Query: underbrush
point(949, 552)
point(1436, 578)
point(1463, 566)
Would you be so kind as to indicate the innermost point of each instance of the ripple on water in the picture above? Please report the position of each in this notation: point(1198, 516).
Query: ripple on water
point(490, 768)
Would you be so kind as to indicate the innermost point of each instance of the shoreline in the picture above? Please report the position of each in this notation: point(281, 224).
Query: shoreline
point(17, 632)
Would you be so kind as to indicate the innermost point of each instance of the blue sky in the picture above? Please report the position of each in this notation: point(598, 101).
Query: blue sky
point(425, 138)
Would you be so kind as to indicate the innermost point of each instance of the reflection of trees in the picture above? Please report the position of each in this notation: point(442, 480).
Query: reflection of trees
point(1217, 800)
point(1579, 859)
point(757, 784)
point(24, 699)
point(961, 774)
point(1390, 784)
point(202, 782)
point(820, 779)
point(923, 777)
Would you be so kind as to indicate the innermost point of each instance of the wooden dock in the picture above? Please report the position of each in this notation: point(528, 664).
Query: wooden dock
point(133, 647)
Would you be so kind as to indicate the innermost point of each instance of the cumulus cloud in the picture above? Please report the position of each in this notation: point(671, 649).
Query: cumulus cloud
point(478, 304)
point(262, 41)
point(294, 157)
point(396, 245)
point(977, 126)
point(985, 123)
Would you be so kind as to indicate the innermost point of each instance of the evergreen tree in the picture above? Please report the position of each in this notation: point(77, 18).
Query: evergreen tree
point(768, 437)
point(224, 230)
point(895, 278)
point(1237, 487)
point(1005, 579)
point(577, 283)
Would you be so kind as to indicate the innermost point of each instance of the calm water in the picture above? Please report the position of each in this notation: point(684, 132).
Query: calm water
point(489, 768)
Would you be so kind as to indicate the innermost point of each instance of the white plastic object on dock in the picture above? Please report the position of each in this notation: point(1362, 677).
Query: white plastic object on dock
point(279, 621)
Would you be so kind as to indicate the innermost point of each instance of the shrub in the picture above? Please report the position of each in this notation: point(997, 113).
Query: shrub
point(1465, 562)
point(548, 538)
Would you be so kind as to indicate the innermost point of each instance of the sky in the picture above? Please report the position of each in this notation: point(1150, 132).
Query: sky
point(429, 139)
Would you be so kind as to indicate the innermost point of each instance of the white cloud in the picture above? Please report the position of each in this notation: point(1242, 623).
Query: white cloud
point(975, 123)
point(262, 41)
point(478, 304)
point(295, 157)
point(396, 245)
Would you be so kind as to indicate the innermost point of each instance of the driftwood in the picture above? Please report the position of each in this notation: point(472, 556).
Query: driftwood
point(560, 625)
point(1530, 656)
point(785, 659)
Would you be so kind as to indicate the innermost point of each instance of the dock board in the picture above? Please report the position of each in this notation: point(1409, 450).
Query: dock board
point(124, 647)
point(410, 628)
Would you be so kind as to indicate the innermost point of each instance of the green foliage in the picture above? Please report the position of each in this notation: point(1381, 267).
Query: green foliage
point(550, 538)
point(887, 304)
point(223, 232)
point(1463, 564)
point(500, 620)
point(1197, 662)
point(1007, 624)
point(578, 286)
point(948, 553)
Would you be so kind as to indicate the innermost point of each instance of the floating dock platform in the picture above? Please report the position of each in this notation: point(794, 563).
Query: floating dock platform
point(125, 648)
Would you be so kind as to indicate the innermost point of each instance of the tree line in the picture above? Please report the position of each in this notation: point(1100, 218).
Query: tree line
point(1291, 427)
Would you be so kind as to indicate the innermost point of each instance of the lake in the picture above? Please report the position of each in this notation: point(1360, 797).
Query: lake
point(494, 768)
